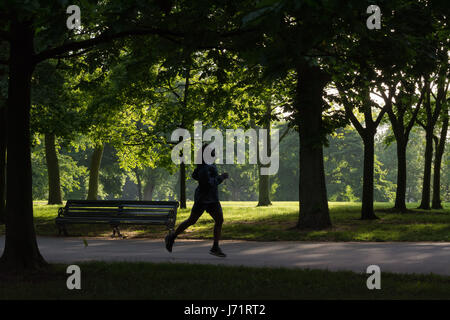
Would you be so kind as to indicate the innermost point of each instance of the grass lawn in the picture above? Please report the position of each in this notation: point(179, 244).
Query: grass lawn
point(245, 221)
point(192, 281)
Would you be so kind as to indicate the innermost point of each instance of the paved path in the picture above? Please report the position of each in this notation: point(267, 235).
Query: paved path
point(355, 256)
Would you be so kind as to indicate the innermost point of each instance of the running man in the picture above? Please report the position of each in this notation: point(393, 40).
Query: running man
point(206, 199)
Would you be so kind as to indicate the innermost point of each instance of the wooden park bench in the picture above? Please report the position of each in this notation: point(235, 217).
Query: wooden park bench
point(116, 213)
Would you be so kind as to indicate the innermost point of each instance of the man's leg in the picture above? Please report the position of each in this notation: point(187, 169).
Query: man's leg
point(196, 211)
point(215, 210)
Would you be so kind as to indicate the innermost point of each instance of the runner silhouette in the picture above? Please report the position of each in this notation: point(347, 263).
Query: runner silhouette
point(206, 199)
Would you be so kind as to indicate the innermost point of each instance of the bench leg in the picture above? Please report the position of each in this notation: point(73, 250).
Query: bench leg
point(62, 229)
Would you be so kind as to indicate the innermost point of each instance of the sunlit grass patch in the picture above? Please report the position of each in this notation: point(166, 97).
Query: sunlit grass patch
point(246, 221)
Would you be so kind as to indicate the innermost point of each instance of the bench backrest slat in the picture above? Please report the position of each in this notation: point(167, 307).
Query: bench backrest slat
point(118, 209)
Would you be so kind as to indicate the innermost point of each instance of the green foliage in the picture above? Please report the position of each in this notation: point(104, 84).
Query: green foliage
point(73, 175)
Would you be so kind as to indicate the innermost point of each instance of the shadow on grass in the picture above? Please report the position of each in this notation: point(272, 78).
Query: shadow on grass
point(194, 281)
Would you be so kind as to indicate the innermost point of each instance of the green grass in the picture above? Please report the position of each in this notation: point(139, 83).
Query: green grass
point(194, 281)
point(245, 221)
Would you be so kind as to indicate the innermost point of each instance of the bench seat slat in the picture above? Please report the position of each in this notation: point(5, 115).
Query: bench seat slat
point(139, 221)
point(120, 210)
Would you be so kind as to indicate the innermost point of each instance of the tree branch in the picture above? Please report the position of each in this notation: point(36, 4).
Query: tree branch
point(421, 124)
point(380, 116)
point(349, 112)
point(73, 55)
point(415, 113)
point(103, 38)
point(284, 134)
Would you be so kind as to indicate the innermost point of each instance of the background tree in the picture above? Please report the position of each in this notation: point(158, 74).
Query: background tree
point(440, 141)
point(57, 112)
point(429, 122)
point(402, 116)
point(367, 130)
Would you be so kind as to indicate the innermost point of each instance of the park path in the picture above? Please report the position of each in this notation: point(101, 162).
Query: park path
point(401, 257)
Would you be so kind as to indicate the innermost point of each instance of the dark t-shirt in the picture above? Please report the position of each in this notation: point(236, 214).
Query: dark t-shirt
point(208, 179)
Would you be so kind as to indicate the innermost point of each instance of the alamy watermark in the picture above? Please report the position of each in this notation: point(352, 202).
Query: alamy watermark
point(74, 280)
point(374, 281)
point(74, 20)
point(374, 20)
point(261, 149)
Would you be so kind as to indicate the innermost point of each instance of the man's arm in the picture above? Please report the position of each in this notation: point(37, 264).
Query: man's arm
point(215, 178)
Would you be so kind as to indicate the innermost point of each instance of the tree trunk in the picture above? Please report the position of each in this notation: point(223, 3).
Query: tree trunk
point(400, 196)
point(264, 190)
point(314, 213)
point(2, 164)
point(148, 191)
point(367, 212)
point(54, 182)
point(21, 251)
point(139, 184)
point(426, 186)
point(182, 185)
point(183, 165)
point(436, 202)
point(264, 180)
point(94, 172)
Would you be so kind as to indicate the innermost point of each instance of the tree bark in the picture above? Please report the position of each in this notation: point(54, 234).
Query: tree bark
point(139, 184)
point(183, 165)
point(94, 172)
point(2, 164)
point(264, 180)
point(148, 191)
point(440, 147)
point(314, 213)
point(400, 195)
point(426, 185)
point(54, 181)
point(264, 190)
point(367, 212)
point(182, 185)
point(21, 251)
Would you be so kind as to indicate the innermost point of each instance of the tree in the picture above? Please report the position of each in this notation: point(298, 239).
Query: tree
point(54, 113)
point(438, 43)
point(29, 26)
point(94, 171)
point(282, 44)
point(379, 72)
point(311, 82)
point(440, 141)
point(54, 182)
point(364, 103)
point(429, 124)
point(402, 115)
